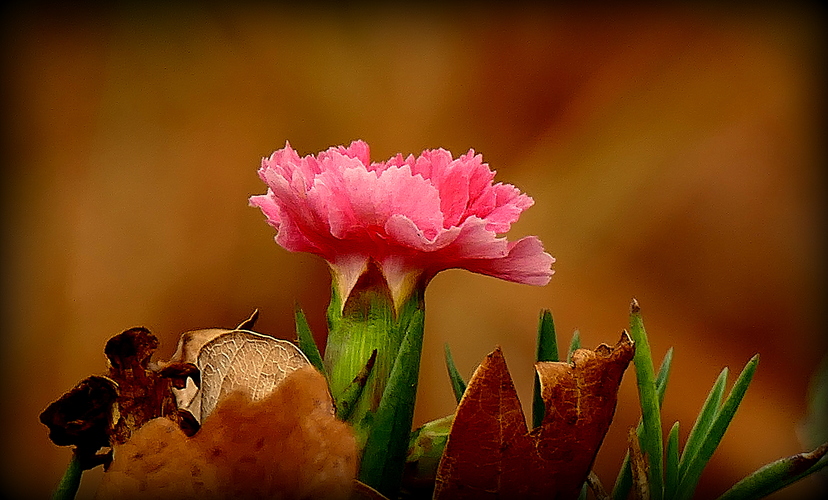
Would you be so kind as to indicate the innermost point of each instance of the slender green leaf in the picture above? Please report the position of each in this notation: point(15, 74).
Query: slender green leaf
point(346, 402)
point(651, 439)
point(547, 341)
point(776, 475)
point(704, 420)
point(690, 479)
point(574, 345)
point(458, 385)
point(671, 465)
point(383, 460)
point(583, 494)
point(623, 482)
point(547, 351)
point(663, 374)
point(69, 483)
point(306, 343)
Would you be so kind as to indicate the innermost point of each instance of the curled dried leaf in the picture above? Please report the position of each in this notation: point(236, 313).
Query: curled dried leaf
point(84, 417)
point(211, 364)
point(639, 467)
point(490, 453)
point(143, 394)
point(103, 410)
point(246, 449)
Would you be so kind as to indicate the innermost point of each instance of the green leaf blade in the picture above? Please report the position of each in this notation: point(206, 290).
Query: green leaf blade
point(652, 444)
point(305, 339)
point(547, 350)
point(458, 385)
point(623, 483)
point(704, 420)
point(547, 341)
point(574, 345)
point(671, 466)
point(697, 463)
point(347, 401)
point(777, 475)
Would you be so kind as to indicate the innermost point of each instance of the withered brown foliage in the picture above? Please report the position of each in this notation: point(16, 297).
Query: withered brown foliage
point(490, 452)
point(104, 410)
point(288, 445)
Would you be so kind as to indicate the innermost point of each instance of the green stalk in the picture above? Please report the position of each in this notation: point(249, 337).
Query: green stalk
point(70, 482)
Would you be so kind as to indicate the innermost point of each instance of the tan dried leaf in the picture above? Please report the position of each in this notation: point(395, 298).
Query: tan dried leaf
point(211, 364)
point(246, 449)
point(246, 362)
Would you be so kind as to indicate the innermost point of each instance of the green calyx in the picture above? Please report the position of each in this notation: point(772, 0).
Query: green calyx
point(372, 362)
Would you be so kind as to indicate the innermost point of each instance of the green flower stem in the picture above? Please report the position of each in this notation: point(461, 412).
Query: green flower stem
point(651, 440)
point(70, 482)
point(366, 322)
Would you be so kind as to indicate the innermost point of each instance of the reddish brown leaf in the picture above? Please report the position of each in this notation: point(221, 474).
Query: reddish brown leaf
point(286, 445)
point(491, 454)
point(102, 411)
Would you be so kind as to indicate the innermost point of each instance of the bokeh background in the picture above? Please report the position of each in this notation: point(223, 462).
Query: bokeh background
point(674, 154)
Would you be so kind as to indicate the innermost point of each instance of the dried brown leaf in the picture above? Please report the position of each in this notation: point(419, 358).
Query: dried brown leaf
point(491, 454)
point(143, 394)
point(208, 365)
point(101, 411)
point(639, 467)
point(246, 449)
point(83, 417)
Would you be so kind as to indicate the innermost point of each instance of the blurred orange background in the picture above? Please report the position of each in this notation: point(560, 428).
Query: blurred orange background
point(675, 155)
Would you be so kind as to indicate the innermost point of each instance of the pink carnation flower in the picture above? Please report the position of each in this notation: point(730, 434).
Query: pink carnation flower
point(412, 217)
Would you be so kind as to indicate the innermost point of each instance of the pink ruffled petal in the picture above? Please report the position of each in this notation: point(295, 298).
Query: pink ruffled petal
point(405, 233)
point(525, 262)
point(412, 216)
